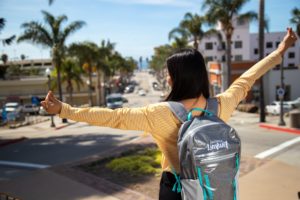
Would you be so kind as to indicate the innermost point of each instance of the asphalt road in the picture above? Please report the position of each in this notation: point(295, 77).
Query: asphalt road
point(46, 147)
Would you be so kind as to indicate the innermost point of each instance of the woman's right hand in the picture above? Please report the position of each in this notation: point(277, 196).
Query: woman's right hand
point(51, 104)
point(288, 40)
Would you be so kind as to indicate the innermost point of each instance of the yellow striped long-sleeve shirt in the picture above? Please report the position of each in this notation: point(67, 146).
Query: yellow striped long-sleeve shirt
point(159, 121)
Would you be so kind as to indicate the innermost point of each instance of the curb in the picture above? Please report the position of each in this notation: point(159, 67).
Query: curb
point(12, 141)
point(64, 126)
point(280, 128)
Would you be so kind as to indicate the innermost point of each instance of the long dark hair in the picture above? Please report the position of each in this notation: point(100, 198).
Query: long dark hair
point(188, 74)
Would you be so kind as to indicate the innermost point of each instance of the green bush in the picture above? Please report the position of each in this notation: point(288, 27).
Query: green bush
point(141, 163)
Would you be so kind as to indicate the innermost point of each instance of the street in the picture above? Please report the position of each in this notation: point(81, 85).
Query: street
point(46, 147)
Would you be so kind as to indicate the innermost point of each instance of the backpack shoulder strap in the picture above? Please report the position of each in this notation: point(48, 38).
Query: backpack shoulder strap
point(179, 110)
point(213, 105)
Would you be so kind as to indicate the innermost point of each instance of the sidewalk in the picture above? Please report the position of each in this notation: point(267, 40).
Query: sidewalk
point(273, 180)
point(47, 185)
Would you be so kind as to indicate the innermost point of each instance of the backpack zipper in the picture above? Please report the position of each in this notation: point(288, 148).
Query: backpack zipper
point(216, 159)
point(194, 130)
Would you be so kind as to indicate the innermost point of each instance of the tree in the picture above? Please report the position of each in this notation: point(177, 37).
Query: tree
point(105, 52)
point(190, 27)
point(225, 12)
point(9, 40)
point(50, 2)
point(71, 75)
point(158, 60)
point(296, 19)
point(51, 35)
point(4, 58)
point(86, 53)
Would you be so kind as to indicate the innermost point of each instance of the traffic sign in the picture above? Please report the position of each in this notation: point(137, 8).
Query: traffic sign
point(280, 92)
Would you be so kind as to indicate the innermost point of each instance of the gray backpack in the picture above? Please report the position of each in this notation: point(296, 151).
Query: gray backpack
point(209, 155)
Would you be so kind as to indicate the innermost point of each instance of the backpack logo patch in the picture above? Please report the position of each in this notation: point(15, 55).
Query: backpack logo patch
point(217, 144)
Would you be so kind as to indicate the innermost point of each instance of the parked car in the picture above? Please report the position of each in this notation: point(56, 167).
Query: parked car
point(142, 92)
point(43, 112)
point(274, 107)
point(31, 109)
point(155, 86)
point(129, 89)
point(114, 101)
point(14, 112)
point(295, 103)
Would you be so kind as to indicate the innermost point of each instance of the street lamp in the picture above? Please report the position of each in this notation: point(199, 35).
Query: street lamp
point(88, 82)
point(48, 72)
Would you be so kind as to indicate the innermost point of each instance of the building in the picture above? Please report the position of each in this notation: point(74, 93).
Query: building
point(245, 53)
point(213, 47)
point(24, 86)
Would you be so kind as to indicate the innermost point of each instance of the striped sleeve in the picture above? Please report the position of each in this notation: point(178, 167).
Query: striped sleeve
point(142, 119)
point(240, 87)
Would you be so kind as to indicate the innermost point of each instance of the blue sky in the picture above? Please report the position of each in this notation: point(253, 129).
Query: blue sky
point(136, 26)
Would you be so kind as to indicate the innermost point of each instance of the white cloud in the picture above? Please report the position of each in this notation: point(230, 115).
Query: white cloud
point(177, 3)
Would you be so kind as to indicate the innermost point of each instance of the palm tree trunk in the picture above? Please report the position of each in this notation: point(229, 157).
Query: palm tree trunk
point(261, 41)
point(228, 60)
point(99, 87)
point(90, 86)
point(56, 64)
point(70, 91)
point(195, 43)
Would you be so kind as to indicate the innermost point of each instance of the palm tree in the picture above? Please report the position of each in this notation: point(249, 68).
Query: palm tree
point(86, 53)
point(50, 2)
point(105, 52)
point(180, 39)
point(71, 75)
point(51, 35)
point(296, 19)
point(190, 27)
point(4, 58)
point(224, 11)
point(9, 40)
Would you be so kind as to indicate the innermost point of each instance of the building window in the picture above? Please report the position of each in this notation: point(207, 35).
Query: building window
point(240, 22)
point(291, 65)
point(291, 55)
point(208, 45)
point(238, 57)
point(209, 58)
point(238, 44)
point(255, 51)
point(269, 44)
point(277, 44)
point(223, 58)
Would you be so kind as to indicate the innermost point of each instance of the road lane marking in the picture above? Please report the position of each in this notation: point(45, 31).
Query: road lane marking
point(22, 165)
point(278, 148)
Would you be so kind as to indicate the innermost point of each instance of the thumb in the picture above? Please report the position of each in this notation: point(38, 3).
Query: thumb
point(52, 97)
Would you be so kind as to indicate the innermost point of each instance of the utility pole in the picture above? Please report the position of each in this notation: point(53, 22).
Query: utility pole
point(261, 42)
point(280, 93)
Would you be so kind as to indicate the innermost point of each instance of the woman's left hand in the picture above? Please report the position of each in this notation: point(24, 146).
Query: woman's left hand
point(289, 39)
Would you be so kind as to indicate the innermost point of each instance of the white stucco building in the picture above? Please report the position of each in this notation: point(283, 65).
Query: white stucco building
point(245, 48)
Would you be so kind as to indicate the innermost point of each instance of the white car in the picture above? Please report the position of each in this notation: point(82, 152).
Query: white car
point(31, 109)
point(274, 108)
point(142, 92)
point(295, 103)
point(114, 101)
